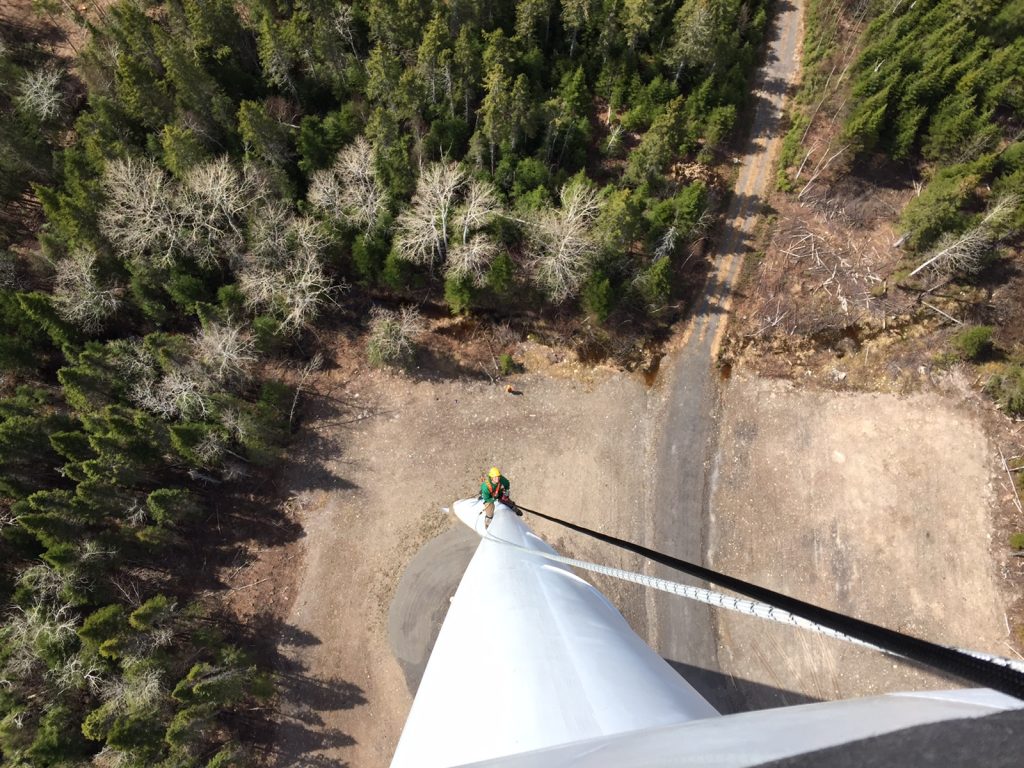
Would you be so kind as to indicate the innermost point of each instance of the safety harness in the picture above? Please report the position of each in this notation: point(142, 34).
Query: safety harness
point(497, 490)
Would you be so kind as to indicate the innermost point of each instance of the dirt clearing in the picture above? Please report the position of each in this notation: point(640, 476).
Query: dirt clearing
point(870, 504)
point(381, 461)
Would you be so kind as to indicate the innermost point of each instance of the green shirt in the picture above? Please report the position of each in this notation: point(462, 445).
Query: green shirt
point(485, 491)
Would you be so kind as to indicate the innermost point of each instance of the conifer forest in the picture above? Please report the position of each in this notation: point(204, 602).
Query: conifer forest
point(190, 189)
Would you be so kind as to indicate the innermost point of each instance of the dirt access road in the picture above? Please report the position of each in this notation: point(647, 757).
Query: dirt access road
point(368, 584)
point(681, 631)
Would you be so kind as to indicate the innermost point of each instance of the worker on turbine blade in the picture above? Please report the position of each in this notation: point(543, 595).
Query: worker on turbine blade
point(495, 488)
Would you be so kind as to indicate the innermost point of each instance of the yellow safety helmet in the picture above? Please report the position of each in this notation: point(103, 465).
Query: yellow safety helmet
point(494, 474)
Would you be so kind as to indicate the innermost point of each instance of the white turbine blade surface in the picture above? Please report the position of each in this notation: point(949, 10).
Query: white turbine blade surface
point(531, 656)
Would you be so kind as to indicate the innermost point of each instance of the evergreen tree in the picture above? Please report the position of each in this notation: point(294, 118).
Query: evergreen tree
point(27, 460)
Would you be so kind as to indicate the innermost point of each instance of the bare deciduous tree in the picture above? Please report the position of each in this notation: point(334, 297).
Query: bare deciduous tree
point(236, 423)
point(614, 136)
point(94, 550)
point(268, 232)
point(472, 252)
point(344, 25)
point(108, 757)
point(315, 364)
point(470, 260)
point(306, 235)
point(141, 688)
point(183, 392)
point(421, 231)
point(39, 94)
point(666, 243)
point(215, 200)
point(286, 275)
point(479, 208)
point(78, 673)
point(349, 190)
point(7, 517)
point(48, 584)
point(136, 513)
point(211, 449)
point(445, 220)
point(148, 217)
point(133, 360)
point(227, 351)
point(563, 244)
point(141, 216)
point(30, 632)
point(78, 294)
point(965, 252)
point(276, 232)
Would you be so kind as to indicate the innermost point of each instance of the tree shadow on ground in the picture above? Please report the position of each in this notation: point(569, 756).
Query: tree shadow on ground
point(432, 365)
point(731, 240)
point(26, 27)
point(238, 517)
point(763, 84)
point(260, 513)
point(326, 418)
point(730, 695)
point(995, 273)
point(300, 727)
point(766, 116)
point(254, 511)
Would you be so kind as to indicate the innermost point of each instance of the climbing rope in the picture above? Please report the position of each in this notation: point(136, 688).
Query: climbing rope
point(995, 672)
point(706, 596)
point(728, 602)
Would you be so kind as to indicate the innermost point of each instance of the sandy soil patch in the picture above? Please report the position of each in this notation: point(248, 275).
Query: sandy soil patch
point(871, 504)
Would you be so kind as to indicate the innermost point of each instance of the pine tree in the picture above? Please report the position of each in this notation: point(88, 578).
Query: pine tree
point(659, 145)
point(27, 460)
point(434, 62)
point(23, 344)
point(495, 110)
point(138, 72)
point(265, 137)
point(467, 64)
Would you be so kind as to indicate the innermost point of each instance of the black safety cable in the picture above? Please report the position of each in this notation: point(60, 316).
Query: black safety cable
point(949, 660)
